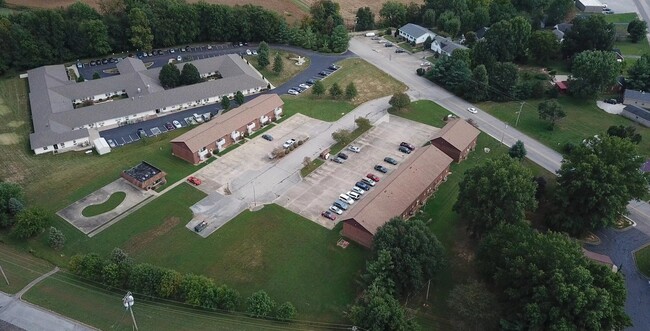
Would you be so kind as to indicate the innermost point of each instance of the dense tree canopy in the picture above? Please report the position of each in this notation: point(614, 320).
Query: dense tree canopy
point(365, 19)
point(638, 75)
point(593, 72)
point(190, 75)
point(496, 191)
point(550, 110)
point(399, 101)
point(378, 310)
point(595, 183)
point(548, 283)
point(637, 30)
point(169, 76)
point(393, 13)
point(543, 46)
point(325, 16)
point(517, 150)
point(628, 132)
point(589, 33)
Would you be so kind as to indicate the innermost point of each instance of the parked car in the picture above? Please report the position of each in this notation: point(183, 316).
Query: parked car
point(358, 190)
point(198, 118)
point(104, 61)
point(293, 92)
point(354, 149)
point(328, 214)
point(346, 198)
point(381, 169)
point(209, 47)
point(407, 145)
point(248, 52)
point(353, 195)
point(324, 73)
point(267, 137)
point(472, 110)
point(311, 82)
point(342, 155)
point(179, 58)
point(369, 181)
point(111, 60)
point(611, 101)
point(304, 86)
point(169, 126)
point(141, 133)
point(172, 51)
point(373, 177)
point(336, 209)
point(404, 150)
point(289, 143)
point(399, 50)
point(363, 186)
point(194, 180)
point(298, 89)
point(388, 45)
point(333, 67)
point(341, 204)
point(177, 124)
point(199, 227)
point(111, 143)
point(254, 52)
point(337, 160)
point(390, 160)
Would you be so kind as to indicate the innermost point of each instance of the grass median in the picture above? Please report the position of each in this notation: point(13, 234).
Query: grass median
point(642, 258)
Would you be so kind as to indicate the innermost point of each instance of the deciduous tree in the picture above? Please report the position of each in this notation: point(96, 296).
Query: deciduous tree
point(365, 19)
point(481, 84)
point(339, 39)
point(259, 304)
point(350, 91)
point(285, 312)
point(503, 78)
point(393, 13)
point(543, 46)
point(399, 101)
point(318, 88)
point(362, 123)
point(637, 30)
point(225, 102)
point(141, 35)
point(190, 75)
point(517, 151)
point(588, 33)
point(593, 72)
point(550, 110)
point(429, 18)
point(96, 75)
point(336, 91)
point(377, 309)
point(30, 222)
point(449, 22)
point(628, 132)
point(638, 76)
point(169, 76)
point(342, 136)
point(56, 238)
point(494, 192)
point(239, 98)
point(7, 192)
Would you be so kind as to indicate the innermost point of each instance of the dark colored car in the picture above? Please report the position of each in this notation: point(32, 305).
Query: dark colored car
point(407, 145)
point(390, 160)
point(333, 67)
point(404, 150)
point(328, 214)
point(159, 52)
point(169, 126)
point(343, 156)
point(267, 137)
point(298, 89)
point(388, 45)
point(362, 186)
point(199, 227)
point(338, 160)
point(141, 133)
point(104, 61)
point(92, 63)
point(399, 50)
point(381, 169)
point(341, 204)
point(311, 82)
point(611, 101)
point(324, 73)
point(111, 60)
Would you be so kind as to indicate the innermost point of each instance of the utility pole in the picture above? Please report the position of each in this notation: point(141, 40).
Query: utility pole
point(128, 301)
point(519, 113)
point(429, 284)
point(3, 275)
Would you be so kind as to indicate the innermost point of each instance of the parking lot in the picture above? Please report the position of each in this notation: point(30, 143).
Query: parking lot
point(315, 193)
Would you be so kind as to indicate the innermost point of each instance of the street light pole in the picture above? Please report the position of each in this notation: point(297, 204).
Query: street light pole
point(128, 301)
point(519, 113)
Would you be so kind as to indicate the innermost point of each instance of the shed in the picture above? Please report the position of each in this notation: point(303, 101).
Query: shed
point(590, 6)
point(101, 146)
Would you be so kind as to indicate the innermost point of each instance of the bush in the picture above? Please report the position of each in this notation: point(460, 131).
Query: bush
point(568, 147)
point(259, 304)
point(30, 222)
point(56, 239)
point(285, 312)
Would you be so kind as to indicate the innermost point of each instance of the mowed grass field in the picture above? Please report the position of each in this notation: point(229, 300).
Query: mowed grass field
point(290, 69)
point(583, 119)
point(642, 258)
point(20, 268)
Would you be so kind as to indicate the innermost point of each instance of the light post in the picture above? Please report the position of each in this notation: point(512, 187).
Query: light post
point(128, 301)
point(519, 113)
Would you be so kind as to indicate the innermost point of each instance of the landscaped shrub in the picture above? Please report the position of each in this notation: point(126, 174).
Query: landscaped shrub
point(30, 222)
point(56, 238)
point(285, 312)
point(259, 304)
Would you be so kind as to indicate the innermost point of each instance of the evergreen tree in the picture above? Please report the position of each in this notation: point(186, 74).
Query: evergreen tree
point(278, 65)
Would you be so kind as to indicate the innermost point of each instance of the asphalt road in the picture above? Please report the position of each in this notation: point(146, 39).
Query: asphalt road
point(127, 134)
point(618, 245)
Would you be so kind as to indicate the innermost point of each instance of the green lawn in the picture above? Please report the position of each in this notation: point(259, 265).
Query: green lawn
point(620, 18)
point(584, 119)
point(113, 201)
point(313, 165)
point(290, 67)
point(20, 268)
point(324, 110)
point(629, 48)
point(424, 111)
point(642, 258)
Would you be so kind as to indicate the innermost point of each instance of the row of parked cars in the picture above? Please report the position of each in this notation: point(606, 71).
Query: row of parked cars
point(364, 185)
point(309, 83)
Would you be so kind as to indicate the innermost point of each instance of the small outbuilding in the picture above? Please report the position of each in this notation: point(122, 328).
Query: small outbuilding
point(101, 146)
point(590, 6)
point(145, 176)
point(456, 139)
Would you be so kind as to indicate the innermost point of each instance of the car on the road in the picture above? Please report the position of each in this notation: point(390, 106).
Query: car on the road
point(338, 160)
point(404, 150)
point(304, 86)
point(363, 186)
point(194, 180)
point(177, 124)
point(336, 209)
point(346, 198)
point(141, 133)
point(353, 195)
point(358, 190)
point(407, 145)
point(381, 169)
point(199, 227)
point(111, 143)
point(341, 204)
point(354, 149)
point(342, 155)
point(289, 143)
point(293, 92)
point(267, 137)
point(472, 110)
point(390, 160)
point(328, 214)
point(374, 177)
point(169, 126)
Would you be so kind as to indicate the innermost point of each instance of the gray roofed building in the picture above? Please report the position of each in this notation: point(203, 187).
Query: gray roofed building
point(444, 46)
point(636, 98)
point(415, 33)
point(637, 114)
point(63, 111)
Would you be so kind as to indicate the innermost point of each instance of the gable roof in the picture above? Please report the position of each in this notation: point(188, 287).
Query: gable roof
point(638, 111)
point(458, 133)
point(415, 30)
point(225, 124)
point(480, 33)
point(447, 45)
point(559, 35)
point(637, 95)
point(395, 193)
point(563, 27)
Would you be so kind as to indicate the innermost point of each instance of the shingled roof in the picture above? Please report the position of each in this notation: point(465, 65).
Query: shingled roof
point(458, 133)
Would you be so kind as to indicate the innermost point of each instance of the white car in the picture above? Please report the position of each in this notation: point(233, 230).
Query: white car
point(369, 181)
point(353, 195)
point(336, 209)
point(248, 52)
point(254, 52)
point(346, 198)
point(209, 47)
point(293, 92)
point(305, 86)
point(358, 190)
point(177, 124)
point(179, 58)
point(472, 110)
point(354, 149)
point(289, 143)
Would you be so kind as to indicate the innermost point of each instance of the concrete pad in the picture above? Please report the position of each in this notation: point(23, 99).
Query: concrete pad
point(316, 192)
point(29, 317)
point(616, 109)
point(87, 225)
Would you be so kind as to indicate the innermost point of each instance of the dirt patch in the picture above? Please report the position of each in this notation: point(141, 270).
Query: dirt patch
point(9, 138)
point(142, 240)
point(15, 124)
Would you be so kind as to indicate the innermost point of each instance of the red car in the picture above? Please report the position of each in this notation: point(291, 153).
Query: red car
point(373, 177)
point(194, 180)
point(328, 214)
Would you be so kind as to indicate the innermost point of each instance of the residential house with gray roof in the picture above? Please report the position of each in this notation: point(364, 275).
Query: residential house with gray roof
point(636, 98)
point(637, 114)
point(415, 33)
point(66, 113)
point(445, 46)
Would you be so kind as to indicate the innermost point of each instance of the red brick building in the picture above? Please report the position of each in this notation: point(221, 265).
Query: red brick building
point(144, 176)
point(457, 138)
point(399, 194)
point(216, 135)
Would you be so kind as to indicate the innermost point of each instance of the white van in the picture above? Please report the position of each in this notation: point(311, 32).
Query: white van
point(370, 34)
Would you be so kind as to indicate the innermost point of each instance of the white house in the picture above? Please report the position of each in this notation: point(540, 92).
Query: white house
point(444, 46)
point(415, 33)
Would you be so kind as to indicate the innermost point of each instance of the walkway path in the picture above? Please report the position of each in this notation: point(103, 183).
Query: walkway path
point(23, 315)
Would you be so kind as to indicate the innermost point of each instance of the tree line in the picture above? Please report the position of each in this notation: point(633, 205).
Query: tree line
point(119, 271)
point(36, 37)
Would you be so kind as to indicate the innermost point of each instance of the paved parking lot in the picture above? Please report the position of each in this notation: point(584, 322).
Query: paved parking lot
point(316, 192)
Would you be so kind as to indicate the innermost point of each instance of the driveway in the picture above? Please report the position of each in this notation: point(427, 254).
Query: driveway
point(402, 67)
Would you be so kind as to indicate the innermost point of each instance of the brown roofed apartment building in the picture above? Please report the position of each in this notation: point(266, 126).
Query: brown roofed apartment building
point(399, 194)
point(457, 138)
point(224, 130)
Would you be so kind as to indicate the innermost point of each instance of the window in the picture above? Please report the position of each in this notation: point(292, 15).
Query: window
point(45, 148)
